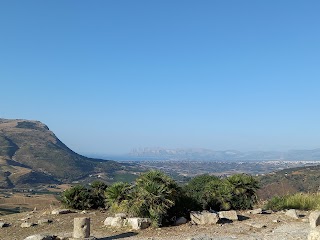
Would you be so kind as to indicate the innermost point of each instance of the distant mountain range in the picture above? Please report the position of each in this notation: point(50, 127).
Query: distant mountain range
point(227, 155)
point(31, 154)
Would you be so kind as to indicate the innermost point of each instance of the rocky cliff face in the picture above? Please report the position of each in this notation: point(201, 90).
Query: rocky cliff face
point(31, 154)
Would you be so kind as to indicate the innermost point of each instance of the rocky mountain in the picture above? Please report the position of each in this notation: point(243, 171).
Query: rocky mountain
point(31, 154)
point(227, 155)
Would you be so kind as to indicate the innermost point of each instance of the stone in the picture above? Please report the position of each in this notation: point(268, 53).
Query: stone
point(256, 225)
point(314, 234)
point(292, 213)
point(138, 223)
point(121, 215)
point(27, 224)
point(81, 228)
point(180, 221)
point(61, 211)
point(44, 221)
point(255, 211)
point(117, 222)
point(230, 215)
point(276, 220)
point(4, 224)
point(314, 219)
point(204, 217)
point(40, 237)
point(108, 221)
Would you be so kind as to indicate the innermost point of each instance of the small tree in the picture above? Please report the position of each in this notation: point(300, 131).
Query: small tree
point(78, 197)
point(244, 193)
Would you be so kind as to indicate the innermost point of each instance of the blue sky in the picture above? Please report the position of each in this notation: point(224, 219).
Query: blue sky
point(109, 76)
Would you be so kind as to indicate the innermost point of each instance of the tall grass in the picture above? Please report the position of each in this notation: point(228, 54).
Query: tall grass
point(302, 201)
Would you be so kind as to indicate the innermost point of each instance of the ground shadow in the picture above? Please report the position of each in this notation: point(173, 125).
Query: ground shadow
point(242, 218)
point(119, 236)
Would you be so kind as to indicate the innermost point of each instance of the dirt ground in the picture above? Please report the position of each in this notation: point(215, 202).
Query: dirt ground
point(275, 226)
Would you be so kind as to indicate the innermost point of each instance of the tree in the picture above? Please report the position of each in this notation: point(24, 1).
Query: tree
point(78, 197)
point(155, 193)
point(244, 193)
point(117, 196)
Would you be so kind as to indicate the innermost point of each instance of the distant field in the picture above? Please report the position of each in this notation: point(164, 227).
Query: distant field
point(19, 202)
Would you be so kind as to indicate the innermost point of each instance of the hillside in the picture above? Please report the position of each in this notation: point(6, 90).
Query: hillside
point(292, 180)
point(30, 154)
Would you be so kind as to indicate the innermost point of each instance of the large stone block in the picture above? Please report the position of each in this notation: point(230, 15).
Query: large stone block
point(314, 219)
point(230, 215)
point(81, 228)
point(138, 223)
point(117, 222)
point(204, 218)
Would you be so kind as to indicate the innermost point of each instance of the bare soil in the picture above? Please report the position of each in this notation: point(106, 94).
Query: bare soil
point(276, 226)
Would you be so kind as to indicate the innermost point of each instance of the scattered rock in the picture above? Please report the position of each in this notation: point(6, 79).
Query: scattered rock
point(314, 219)
point(61, 211)
point(4, 224)
point(256, 225)
point(117, 222)
point(27, 225)
point(292, 213)
point(276, 220)
point(180, 221)
point(108, 221)
point(204, 217)
point(230, 215)
point(84, 212)
point(267, 211)
point(44, 221)
point(40, 237)
point(139, 223)
point(255, 211)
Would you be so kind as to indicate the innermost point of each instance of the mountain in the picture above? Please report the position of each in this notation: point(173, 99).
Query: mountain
point(227, 155)
point(31, 154)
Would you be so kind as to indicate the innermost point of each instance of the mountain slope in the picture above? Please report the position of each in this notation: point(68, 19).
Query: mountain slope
point(30, 152)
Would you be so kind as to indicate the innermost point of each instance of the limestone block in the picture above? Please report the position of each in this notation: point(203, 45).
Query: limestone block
point(292, 213)
point(203, 218)
point(230, 215)
point(314, 219)
point(81, 228)
point(138, 223)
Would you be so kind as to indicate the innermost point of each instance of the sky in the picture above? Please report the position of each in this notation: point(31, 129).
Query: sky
point(111, 76)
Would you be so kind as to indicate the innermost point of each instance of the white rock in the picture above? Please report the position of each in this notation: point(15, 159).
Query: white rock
point(44, 221)
point(40, 237)
point(108, 221)
point(255, 211)
point(27, 225)
point(121, 215)
point(138, 223)
point(292, 213)
point(204, 217)
point(3, 224)
point(314, 219)
point(117, 222)
point(230, 215)
point(61, 211)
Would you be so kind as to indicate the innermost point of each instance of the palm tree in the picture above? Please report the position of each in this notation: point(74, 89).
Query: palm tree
point(155, 194)
point(117, 194)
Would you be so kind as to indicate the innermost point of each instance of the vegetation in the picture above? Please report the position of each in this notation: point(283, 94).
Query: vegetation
point(302, 201)
point(158, 197)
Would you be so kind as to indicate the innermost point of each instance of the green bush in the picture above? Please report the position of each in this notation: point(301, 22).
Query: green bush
point(302, 201)
point(80, 197)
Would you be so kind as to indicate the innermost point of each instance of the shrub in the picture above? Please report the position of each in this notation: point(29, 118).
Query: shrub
point(78, 197)
point(117, 197)
point(244, 191)
point(302, 201)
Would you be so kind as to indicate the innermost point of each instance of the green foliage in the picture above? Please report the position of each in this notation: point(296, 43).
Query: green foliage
point(302, 201)
point(80, 197)
point(117, 196)
point(154, 195)
point(244, 191)
point(195, 189)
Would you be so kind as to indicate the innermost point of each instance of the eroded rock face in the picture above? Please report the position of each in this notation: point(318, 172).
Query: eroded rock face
point(204, 218)
point(314, 219)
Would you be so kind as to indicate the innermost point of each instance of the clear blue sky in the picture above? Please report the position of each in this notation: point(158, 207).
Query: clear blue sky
point(109, 76)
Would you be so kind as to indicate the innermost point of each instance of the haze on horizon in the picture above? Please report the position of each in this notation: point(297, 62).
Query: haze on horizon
point(110, 76)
